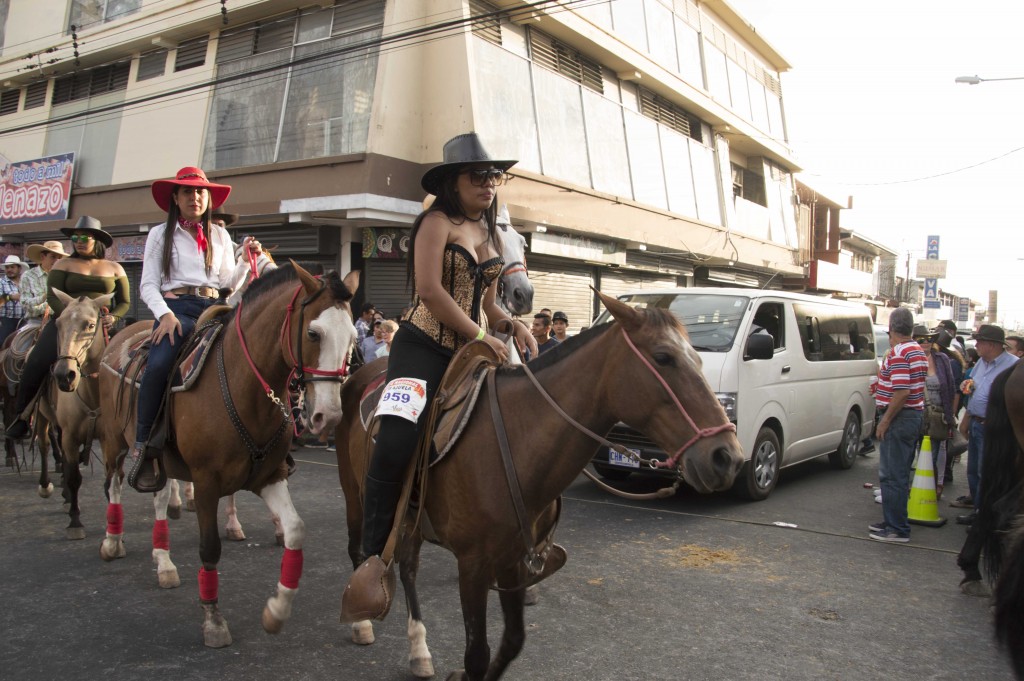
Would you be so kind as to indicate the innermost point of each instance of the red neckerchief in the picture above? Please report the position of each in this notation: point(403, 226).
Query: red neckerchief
point(201, 241)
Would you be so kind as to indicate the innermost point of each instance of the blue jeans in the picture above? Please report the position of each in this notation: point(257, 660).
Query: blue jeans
point(896, 458)
point(161, 359)
point(975, 445)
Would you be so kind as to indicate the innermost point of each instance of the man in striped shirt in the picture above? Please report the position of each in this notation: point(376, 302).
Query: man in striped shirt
point(900, 401)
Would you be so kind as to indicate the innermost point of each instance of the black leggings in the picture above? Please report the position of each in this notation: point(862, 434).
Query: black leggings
point(37, 364)
point(411, 357)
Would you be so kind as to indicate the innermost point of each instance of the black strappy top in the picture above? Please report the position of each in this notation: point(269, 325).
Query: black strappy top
point(465, 281)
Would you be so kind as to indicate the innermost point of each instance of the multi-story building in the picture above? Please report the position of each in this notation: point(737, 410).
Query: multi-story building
point(650, 134)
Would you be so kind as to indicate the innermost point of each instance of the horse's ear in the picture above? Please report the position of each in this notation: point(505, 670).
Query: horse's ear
point(351, 281)
point(624, 314)
point(309, 282)
point(62, 297)
point(103, 301)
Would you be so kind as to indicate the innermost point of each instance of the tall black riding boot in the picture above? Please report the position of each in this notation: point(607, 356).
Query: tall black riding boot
point(379, 502)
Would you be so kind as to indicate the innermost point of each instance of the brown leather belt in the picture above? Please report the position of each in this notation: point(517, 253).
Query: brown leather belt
point(198, 291)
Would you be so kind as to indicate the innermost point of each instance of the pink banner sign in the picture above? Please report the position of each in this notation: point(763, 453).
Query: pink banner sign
point(36, 190)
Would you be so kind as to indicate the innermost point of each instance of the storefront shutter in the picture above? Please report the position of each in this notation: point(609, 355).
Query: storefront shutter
point(563, 285)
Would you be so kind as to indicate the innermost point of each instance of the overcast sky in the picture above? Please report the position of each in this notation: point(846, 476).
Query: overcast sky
point(872, 110)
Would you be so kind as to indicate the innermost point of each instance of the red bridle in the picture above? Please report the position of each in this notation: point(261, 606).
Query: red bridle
point(699, 433)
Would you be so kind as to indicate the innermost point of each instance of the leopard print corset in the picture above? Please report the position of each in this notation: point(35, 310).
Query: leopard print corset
point(465, 281)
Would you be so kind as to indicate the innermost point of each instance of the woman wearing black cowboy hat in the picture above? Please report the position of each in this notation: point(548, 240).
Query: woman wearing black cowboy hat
point(86, 272)
point(454, 263)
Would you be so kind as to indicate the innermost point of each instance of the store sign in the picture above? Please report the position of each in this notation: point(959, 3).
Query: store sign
point(385, 243)
point(931, 269)
point(931, 281)
point(127, 248)
point(963, 310)
point(36, 190)
point(577, 248)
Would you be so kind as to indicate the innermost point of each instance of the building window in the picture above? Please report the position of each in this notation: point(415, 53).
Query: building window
point(88, 13)
point(152, 65)
point(191, 53)
point(35, 94)
point(490, 28)
point(9, 101)
point(325, 108)
point(85, 84)
point(4, 6)
point(748, 185)
point(669, 114)
point(560, 58)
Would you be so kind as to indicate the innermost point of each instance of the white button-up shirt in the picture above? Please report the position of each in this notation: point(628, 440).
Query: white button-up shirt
point(188, 266)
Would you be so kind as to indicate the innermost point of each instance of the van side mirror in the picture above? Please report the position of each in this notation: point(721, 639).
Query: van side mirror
point(759, 346)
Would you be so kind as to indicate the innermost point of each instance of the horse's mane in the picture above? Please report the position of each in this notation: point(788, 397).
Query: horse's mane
point(270, 281)
point(655, 318)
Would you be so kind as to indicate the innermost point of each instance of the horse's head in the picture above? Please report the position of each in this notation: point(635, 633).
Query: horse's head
point(78, 327)
point(668, 398)
point(321, 342)
point(514, 287)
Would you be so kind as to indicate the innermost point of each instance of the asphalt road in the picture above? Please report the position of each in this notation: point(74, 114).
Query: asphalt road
point(691, 587)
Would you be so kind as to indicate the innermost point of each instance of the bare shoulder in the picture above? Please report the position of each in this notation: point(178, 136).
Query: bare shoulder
point(436, 226)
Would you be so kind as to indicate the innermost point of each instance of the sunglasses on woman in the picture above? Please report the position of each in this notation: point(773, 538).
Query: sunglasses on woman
point(80, 238)
point(479, 177)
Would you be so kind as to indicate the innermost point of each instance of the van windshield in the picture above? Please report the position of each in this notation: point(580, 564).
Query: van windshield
point(711, 320)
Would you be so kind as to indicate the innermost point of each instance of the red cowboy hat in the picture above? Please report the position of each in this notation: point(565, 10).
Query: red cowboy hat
point(189, 176)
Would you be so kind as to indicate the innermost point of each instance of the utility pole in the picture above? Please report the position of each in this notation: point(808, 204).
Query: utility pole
point(906, 282)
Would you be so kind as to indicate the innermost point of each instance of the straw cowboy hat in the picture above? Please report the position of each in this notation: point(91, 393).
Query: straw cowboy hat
point(460, 151)
point(93, 226)
point(35, 251)
point(189, 176)
point(15, 260)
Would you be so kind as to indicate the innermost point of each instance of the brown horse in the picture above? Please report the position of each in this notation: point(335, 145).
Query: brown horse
point(231, 430)
point(1001, 489)
point(12, 360)
point(468, 500)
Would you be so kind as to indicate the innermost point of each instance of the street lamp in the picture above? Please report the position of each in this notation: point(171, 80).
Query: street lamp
point(974, 80)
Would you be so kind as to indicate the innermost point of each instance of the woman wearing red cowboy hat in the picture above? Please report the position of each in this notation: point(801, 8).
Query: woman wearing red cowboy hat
point(187, 262)
point(86, 272)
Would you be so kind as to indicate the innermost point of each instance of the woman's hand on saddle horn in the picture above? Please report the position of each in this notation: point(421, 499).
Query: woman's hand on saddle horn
point(499, 348)
point(167, 326)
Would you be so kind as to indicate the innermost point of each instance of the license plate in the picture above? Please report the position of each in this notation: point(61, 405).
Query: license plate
point(619, 460)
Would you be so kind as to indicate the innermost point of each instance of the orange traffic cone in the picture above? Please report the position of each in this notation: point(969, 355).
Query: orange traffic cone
point(923, 507)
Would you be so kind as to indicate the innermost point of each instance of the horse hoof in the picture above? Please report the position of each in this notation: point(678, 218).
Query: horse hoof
point(215, 633)
point(190, 505)
point(235, 535)
point(112, 549)
point(421, 667)
point(271, 624)
point(169, 580)
point(975, 588)
point(532, 595)
point(76, 533)
point(362, 633)
point(279, 538)
point(174, 512)
point(45, 492)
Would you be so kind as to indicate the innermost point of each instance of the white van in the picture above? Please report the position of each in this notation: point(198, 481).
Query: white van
point(793, 372)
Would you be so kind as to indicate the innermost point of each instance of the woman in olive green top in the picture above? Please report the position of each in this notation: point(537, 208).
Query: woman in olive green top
point(86, 272)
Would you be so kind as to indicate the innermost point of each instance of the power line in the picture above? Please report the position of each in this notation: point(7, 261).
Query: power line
point(926, 177)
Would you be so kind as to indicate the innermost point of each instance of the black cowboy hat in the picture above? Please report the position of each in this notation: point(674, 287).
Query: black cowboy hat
point(460, 151)
point(990, 332)
point(92, 226)
point(921, 333)
point(228, 218)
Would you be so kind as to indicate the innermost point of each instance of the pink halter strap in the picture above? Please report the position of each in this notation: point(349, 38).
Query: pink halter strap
point(698, 432)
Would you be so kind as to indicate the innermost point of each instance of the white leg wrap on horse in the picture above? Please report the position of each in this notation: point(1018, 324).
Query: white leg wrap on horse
point(420, 663)
point(362, 633)
point(280, 606)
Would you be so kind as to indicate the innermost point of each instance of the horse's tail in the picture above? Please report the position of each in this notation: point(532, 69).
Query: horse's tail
point(1000, 485)
point(1009, 600)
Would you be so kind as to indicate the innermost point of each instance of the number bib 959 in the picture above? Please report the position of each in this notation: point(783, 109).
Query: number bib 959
point(405, 397)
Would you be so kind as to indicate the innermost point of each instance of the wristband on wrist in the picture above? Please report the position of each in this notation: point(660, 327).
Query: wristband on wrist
point(480, 334)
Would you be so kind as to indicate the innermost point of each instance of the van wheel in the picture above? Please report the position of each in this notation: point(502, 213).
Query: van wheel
point(758, 477)
point(849, 446)
point(610, 472)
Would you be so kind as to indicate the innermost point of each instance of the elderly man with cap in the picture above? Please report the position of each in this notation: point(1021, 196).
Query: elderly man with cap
point(12, 309)
point(33, 284)
point(899, 399)
point(994, 360)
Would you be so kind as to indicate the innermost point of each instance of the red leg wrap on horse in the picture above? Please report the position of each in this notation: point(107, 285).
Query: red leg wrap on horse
point(291, 568)
point(207, 585)
point(161, 538)
point(115, 519)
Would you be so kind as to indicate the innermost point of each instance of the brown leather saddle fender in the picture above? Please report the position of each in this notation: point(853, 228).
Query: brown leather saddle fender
point(456, 395)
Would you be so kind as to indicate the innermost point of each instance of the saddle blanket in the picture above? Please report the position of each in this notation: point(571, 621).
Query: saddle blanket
point(197, 347)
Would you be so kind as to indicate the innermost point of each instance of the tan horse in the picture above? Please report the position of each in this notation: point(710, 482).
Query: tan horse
point(231, 430)
point(71, 400)
point(641, 370)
